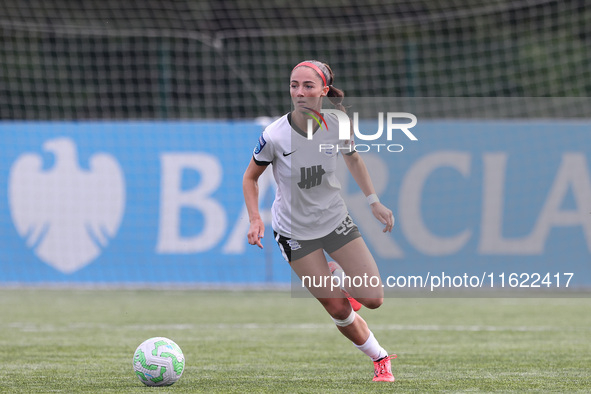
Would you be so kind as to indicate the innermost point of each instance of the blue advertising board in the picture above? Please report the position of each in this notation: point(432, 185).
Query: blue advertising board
point(161, 202)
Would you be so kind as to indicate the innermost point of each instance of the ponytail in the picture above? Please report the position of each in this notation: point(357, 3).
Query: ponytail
point(335, 95)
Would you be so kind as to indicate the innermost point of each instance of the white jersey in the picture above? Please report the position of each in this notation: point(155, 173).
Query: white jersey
point(308, 203)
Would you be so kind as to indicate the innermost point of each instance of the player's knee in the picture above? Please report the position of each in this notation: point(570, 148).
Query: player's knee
point(372, 303)
point(337, 308)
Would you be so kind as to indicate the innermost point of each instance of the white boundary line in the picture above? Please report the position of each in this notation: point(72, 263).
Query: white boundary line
point(31, 327)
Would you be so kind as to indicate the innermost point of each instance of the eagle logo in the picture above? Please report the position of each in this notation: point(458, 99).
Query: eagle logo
point(66, 213)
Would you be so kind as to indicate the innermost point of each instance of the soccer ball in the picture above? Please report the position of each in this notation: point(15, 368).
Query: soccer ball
point(158, 362)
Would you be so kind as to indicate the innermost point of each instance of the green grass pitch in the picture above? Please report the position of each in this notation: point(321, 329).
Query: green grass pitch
point(82, 341)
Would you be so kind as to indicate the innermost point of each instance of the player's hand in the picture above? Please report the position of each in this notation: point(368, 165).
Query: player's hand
point(384, 215)
point(256, 232)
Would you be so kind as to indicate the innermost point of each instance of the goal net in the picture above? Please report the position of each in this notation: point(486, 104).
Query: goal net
point(155, 59)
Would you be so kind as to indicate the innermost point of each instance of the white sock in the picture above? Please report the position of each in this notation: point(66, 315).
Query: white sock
point(372, 348)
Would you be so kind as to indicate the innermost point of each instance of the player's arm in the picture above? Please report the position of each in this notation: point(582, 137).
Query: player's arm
point(358, 170)
point(250, 188)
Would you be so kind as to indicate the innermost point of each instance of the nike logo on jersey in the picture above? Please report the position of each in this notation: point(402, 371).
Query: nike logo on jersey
point(287, 154)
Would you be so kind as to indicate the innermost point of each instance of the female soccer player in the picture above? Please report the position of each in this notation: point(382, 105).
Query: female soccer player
point(309, 216)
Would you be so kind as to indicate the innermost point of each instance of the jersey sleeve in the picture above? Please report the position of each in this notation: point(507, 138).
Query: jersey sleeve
point(347, 146)
point(264, 151)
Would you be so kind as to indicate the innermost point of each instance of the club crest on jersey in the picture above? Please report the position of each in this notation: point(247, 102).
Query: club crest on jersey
point(328, 151)
point(260, 145)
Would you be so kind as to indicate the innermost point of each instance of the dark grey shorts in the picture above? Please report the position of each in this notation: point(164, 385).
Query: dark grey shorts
point(293, 249)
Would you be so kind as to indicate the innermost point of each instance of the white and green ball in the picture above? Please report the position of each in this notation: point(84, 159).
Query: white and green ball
point(158, 361)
